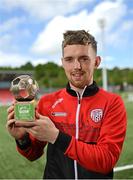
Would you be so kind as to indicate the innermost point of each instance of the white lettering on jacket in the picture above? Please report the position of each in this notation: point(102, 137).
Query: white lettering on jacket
point(57, 102)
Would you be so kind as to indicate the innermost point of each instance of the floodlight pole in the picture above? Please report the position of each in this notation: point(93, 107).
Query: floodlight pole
point(104, 69)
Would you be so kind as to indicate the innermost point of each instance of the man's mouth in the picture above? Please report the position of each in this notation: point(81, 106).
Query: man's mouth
point(77, 75)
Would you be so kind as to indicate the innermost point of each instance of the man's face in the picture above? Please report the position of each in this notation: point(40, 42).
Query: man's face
point(79, 62)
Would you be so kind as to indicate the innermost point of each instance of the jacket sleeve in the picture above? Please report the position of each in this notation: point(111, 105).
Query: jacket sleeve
point(100, 157)
point(31, 149)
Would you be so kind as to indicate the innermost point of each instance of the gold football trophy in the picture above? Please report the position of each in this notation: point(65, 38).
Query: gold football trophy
point(24, 89)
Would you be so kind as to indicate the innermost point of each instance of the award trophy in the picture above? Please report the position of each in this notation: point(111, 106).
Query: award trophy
point(24, 89)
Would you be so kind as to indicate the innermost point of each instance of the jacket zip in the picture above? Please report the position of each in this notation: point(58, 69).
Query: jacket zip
point(77, 127)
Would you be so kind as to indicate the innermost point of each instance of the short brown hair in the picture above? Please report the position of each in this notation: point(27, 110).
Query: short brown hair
point(78, 37)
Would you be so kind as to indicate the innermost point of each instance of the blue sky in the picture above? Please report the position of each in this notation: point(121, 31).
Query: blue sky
point(32, 30)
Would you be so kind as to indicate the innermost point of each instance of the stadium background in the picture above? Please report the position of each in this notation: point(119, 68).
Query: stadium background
point(14, 166)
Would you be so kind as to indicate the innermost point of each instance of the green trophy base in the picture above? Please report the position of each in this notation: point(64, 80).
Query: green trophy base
point(24, 111)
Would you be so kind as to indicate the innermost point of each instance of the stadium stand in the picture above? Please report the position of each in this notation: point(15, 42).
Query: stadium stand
point(5, 97)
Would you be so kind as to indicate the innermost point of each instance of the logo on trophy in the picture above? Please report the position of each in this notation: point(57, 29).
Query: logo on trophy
point(24, 88)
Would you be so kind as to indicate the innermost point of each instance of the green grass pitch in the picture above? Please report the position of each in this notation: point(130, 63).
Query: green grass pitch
point(14, 166)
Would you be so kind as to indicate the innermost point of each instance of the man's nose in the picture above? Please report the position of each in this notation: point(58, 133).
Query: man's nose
point(77, 64)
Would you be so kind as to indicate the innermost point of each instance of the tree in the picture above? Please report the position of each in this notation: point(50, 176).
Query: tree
point(27, 66)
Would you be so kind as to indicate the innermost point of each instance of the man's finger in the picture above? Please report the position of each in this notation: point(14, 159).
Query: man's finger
point(25, 124)
point(10, 116)
point(10, 122)
point(31, 131)
point(40, 116)
point(10, 109)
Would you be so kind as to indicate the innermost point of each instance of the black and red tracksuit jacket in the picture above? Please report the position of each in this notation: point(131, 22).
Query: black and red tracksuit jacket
point(92, 131)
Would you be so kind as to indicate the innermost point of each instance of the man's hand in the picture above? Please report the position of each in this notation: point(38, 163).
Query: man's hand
point(16, 132)
point(42, 129)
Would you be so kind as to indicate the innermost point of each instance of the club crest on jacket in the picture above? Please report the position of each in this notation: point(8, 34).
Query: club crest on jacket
point(96, 115)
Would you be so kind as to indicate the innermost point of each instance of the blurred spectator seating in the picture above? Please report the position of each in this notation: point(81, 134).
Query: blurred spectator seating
point(6, 97)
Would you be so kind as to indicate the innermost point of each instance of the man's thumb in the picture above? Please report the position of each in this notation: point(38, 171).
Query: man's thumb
point(39, 116)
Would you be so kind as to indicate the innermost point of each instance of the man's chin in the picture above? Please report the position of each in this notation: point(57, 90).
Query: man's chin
point(78, 85)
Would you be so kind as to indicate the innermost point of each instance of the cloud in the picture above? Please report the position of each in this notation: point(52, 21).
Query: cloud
point(39, 61)
point(12, 32)
point(44, 9)
point(16, 60)
point(121, 36)
point(112, 12)
point(21, 29)
point(5, 41)
point(49, 40)
point(11, 24)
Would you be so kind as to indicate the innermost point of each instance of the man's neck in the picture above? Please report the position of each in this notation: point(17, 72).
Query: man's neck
point(80, 90)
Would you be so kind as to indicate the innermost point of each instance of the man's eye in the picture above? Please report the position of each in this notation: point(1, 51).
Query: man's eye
point(68, 59)
point(83, 59)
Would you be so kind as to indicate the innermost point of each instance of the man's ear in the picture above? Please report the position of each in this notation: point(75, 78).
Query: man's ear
point(97, 61)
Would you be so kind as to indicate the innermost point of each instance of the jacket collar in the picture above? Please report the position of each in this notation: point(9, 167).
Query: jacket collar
point(89, 91)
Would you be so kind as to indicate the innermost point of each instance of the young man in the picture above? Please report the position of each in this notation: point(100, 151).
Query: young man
point(83, 124)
